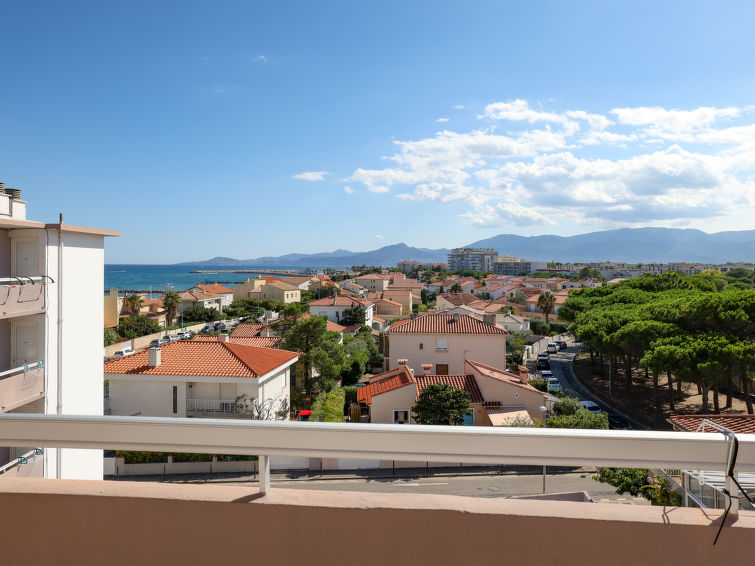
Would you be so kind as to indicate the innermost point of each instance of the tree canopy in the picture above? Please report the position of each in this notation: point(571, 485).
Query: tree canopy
point(441, 404)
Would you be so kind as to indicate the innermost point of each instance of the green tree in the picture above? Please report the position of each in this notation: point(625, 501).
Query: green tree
point(200, 314)
point(135, 326)
point(637, 481)
point(581, 419)
point(134, 304)
point(441, 404)
point(567, 406)
point(354, 316)
point(320, 350)
point(455, 288)
point(111, 336)
point(171, 302)
point(546, 302)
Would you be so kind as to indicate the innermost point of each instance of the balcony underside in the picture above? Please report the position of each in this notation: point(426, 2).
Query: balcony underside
point(88, 522)
point(21, 388)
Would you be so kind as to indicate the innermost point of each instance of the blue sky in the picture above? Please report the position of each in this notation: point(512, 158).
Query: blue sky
point(247, 129)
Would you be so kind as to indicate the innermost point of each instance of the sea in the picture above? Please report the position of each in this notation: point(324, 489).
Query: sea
point(159, 278)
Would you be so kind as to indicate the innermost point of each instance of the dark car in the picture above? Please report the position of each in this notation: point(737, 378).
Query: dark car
point(543, 363)
point(561, 344)
point(615, 422)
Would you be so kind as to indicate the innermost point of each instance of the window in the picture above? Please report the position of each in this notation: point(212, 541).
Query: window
point(441, 344)
point(421, 345)
point(175, 399)
point(401, 416)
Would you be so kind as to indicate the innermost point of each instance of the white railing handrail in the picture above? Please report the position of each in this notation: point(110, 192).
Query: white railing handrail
point(214, 405)
point(483, 445)
point(24, 280)
point(23, 368)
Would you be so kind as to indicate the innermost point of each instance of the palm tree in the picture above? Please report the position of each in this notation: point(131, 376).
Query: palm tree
point(546, 302)
point(171, 301)
point(134, 304)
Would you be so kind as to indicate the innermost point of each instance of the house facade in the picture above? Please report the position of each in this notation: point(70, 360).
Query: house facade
point(335, 307)
point(445, 341)
point(225, 294)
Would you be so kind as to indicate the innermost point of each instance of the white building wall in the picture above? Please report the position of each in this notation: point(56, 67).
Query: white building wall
point(146, 398)
point(486, 349)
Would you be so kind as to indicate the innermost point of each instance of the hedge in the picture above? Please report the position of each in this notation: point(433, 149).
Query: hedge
point(328, 407)
point(132, 457)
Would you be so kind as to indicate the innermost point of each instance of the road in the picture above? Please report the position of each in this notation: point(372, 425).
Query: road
point(483, 485)
point(561, 366)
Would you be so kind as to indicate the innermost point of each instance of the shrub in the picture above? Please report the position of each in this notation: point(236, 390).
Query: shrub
point(581, 419)
point(539, 384)
point(567, 406)
point(350, 396)
point(111, 336)
point(135, 326)
point(328, 407)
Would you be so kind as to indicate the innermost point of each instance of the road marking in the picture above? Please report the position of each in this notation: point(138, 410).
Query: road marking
point(413, 484)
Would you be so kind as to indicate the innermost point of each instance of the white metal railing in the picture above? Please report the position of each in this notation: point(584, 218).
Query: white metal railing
point(23, 368)
point(26, 280)
point(474, 445)
point(20, 460)
point(213, 406)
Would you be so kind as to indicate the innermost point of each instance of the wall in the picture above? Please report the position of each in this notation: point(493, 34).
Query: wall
point(509, 394)
point(486, 349)
point(143, 341)
point(383, 405)
point(146, 398)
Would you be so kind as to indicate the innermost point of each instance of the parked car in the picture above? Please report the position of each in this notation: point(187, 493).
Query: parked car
point(159, 342)
point(219, 326)
point(543, 363)
point(172, 337)
point(546, 373)
point(122, 353)
point(592, 407)
point(561, 344)
point(552, 348)
point(553, 384)
point(183, 335)
point(616, 422)
point(208, 328)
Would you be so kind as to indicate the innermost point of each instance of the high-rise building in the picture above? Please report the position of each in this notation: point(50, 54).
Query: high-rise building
point(51, 312)
point(478, 259)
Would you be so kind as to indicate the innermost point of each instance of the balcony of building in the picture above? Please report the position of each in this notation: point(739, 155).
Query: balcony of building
point(21, 386)
point(216, 408)
point(22, 296)
point(94, 522)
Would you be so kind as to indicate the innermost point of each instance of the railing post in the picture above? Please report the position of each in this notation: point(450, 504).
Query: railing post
point(264, 471)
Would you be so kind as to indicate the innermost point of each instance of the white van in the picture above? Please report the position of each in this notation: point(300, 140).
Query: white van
point(123, 352)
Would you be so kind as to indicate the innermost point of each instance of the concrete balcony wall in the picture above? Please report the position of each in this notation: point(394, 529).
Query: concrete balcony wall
point(21, 300)
point(91, 522)
point(21, 388)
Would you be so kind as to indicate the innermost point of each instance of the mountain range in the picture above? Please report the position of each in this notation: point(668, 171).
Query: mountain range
point(631, 245)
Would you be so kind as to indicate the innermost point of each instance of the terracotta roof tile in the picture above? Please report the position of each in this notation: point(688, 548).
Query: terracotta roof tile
point(445, 324)
point(366, 393)
point(247, 329)
point(459, 298)
point(739, 423)
point(499, 374)
point(215, 289)
point(339, 301)
point(465, 382)
point(215, 359)
point(256, 341)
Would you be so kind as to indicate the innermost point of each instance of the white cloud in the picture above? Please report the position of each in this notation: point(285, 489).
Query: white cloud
point(379, 237)
point(311, 175)
point(442, 120)
point(576, 166)
point(259, 59)
point(458, 107)
point(348, 190)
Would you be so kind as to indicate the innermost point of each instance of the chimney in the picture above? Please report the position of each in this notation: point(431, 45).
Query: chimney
point(523, 374)
point(155, 355)
point(426, 369)
point(489, 318)
point(13, 193)
point(223, 338)
point(402, 362)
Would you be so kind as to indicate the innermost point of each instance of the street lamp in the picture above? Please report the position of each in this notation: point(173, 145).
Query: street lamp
point(544, 410)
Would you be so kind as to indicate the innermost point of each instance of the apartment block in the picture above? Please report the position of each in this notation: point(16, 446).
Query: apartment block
point(51, 312)
point(478, 259)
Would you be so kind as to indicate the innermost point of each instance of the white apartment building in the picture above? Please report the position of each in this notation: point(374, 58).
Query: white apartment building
point(51, 312)
point(478, 259)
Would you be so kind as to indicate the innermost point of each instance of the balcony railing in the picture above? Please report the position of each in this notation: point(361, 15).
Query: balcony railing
point(228, 406)
point(21, 385)
point(22, 296)
point(473, 445)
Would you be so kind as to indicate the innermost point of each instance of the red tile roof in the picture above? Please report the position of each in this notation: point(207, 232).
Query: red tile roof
point(465, 382)
point(339, 301)
point(738, 423)
point(457, 299)
point(256, 341)
point(499, 374)
point(389, 302)
point(383, 385)
point(215, 289)
point(444, 324)
point(198, 358)
point(247, 329)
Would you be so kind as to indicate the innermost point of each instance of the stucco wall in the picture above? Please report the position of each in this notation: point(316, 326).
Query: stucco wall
point(489, 350)
point(383, 405)
point(146, 398)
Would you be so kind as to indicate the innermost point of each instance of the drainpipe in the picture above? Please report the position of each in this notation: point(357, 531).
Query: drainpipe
point(59, 408)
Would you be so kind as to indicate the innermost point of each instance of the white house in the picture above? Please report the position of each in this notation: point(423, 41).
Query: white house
point(196, 298)
point(199, 378)
point(335, 308)
point(51, 313)
point(225, 294)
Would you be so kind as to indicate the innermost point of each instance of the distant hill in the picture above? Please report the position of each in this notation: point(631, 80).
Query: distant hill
point(632, 245)
point(387, 256)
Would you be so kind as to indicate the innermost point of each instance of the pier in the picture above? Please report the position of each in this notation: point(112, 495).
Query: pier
point(289, 272)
